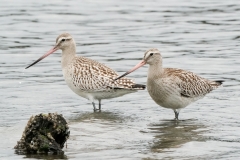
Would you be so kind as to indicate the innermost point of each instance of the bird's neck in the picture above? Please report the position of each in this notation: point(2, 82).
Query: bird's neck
point(155, 70)
point(68, 55)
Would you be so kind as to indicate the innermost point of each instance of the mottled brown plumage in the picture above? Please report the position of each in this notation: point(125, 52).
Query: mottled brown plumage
point(90, 75)
point(190, 84)
point(170, 87)
point(89, 78)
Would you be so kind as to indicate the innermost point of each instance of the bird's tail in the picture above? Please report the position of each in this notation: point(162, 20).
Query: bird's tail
point(219, 82)
point(216, 84)
point(139, 86)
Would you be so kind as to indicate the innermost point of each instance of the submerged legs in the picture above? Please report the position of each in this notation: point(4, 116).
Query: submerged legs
point(99, 106)
point(176, 111)
point(94, 107)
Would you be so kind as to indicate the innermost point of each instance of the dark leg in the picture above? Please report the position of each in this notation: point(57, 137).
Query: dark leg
point(99, 105)
point(94, 108)
point(176, 114)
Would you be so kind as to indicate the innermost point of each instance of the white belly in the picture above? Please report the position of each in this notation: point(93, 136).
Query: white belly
point(167, 95)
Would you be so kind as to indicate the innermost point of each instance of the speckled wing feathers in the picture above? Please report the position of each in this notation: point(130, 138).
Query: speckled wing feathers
point(90, 75)
point(190, 84)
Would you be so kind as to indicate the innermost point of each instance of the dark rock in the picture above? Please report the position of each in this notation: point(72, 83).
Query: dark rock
point(44, 133)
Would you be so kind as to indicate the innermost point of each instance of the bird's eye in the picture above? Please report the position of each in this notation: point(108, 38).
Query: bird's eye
point(63, 40)
point(151, 54)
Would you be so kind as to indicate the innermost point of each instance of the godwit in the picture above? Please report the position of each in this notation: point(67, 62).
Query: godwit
point(172, 88)
point(89, 78)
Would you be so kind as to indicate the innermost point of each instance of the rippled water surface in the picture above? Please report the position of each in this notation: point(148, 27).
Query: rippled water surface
point(200, 36)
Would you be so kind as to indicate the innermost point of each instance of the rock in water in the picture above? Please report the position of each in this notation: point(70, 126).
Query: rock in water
point(44, 133)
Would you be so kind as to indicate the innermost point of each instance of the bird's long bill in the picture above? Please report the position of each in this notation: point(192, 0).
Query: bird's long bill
point(140, 64)
point(44, 56)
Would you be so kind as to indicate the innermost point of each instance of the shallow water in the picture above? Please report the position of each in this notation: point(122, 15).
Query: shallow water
point(200, 36)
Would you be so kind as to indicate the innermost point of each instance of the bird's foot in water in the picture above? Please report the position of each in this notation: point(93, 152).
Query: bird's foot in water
point(176, 119)
point(95, 110)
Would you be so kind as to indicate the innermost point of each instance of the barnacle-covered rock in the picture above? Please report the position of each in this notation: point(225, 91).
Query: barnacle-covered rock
point(44, 133)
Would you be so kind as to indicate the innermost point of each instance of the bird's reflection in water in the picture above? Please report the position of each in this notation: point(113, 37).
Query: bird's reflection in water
point(99, 116)
point(173, 134)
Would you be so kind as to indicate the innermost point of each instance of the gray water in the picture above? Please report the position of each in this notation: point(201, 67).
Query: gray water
point(200, 36)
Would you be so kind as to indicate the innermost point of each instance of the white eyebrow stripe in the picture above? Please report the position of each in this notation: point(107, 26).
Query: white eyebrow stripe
point(68, 37)
point(60, 39)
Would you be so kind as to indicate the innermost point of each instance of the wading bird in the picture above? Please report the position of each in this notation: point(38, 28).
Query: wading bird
point(89, 78)
point(172, 88)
